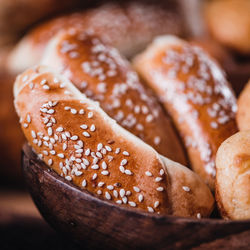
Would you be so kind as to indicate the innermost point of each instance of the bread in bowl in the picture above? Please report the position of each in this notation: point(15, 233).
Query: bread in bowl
point(193, 89)
point(80, 142)
point(233, 177)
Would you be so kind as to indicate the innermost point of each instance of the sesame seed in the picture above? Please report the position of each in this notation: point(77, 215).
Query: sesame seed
point(84, 126)
point(50, 162)
point(94, 176)
point(51, 111)
point(46, 87)
point(128, 172)
point(87, 151)
point(122, 193)
point(136, 189)
point(53, 152)
point(60, 155)
point(104, 165)
point(95, 166)
point(125, 200)
point(90, 114)
point(107, 195)
point(156, 204)
point(119, 202)
point(160, 189)
point(81, 111)
point(122, 169)
point(33, 134)
point(25, 125)
point(100, 184)
point(128, 193)
point(148, 173)
point(64, 146)
point(67, 108)
point(158, 179)
point(185, 188)
point(110, 187)
point(151, 210)
point(124, 162)
point(78, 173)
point(125, 153)
point(105, 172)
point(99, 146)
point(31, 85)
point(86, 134)
point(198, 216)
point(108, 148)
point(73, 111)
point(68, 178)
point(74, 138)
point(84, 183)
point(85, 161)
point(43, 81)
point(140, 198)
point(117, 151)
point(28, 118)
point(115, 193)
point(157, 140)
point(98, 154)
point(92, 128)
point(162, 172)
point(99, 192)
point(132, 204)
point(50, 131)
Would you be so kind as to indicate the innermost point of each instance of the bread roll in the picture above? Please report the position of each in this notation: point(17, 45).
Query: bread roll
point(233, 177)
point(128, 27)
point(193, 89)
point(229, 23)
point(104, 75)
point(74, 136)
point(243, 112)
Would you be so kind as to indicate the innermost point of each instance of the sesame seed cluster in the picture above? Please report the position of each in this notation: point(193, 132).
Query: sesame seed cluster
point(82, 144)
point(99, 71)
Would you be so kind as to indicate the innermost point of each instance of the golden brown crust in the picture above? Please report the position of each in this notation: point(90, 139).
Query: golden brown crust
point(100, 72)
point(79, 141)
point(233, 176)
point(188, 194)
point(229, 23)
point(243, 114)
point(128, 27)
point(195, 92)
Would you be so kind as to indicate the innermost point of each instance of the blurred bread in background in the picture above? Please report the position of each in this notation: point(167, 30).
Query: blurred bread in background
point(229, 23)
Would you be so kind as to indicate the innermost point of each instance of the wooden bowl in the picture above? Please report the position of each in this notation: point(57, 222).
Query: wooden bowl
point(86, 219)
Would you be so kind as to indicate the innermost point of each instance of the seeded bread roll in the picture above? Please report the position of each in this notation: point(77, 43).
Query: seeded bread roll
point(229, 23)
point(74, 136)
point(128, 27)
point(243, 113)
point(233, 176)
point(194, 91)
point(100, 72)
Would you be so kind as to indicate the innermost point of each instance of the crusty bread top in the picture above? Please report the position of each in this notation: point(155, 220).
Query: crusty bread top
point(194, 90)
point(81, 143)
point(243, 114)
point(100, 72)
point(188, 194)
point(233, 176)
point(128, 27)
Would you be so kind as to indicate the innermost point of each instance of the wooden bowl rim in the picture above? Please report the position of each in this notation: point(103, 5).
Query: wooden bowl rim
point(29, 153)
